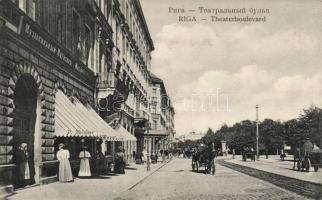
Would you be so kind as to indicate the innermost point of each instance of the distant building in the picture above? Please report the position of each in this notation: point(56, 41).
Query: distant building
point(191, 136)
point(162, 116)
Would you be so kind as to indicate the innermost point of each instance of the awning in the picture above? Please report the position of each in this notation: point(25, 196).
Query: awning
point(127, 136)
point(73, 119)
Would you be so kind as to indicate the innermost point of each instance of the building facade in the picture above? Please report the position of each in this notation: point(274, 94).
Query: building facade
point(45, 46)
point(124, 91)
point(63, 61)
point(162, 117)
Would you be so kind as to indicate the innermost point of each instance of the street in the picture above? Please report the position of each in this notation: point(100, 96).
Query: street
point(176, 181)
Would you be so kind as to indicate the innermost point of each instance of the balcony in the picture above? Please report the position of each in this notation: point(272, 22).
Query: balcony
point(104, 86)
point(128, 110)
point(94, 9)
point(141, 117)
point(108, 85)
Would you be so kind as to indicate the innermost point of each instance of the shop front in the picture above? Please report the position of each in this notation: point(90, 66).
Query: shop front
point(79, 127)
point(157, 140)
point(128, 143)
point(32, 66)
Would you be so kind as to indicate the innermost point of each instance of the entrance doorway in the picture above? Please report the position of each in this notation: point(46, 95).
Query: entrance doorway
point(25, 101)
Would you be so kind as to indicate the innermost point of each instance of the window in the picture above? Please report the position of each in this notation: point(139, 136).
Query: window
point(123, 45)
point(76, 31)
point(88, 41)
point(60, 22)
point(155, 124)
point(154, 108)
point(29, 7)
point(118, 36)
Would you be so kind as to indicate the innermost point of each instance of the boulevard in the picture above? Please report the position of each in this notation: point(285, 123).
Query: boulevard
point(174, 179)
point(177, 181)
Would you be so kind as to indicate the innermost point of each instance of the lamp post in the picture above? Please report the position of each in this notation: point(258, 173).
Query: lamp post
point(148, 147)
point(257, 150)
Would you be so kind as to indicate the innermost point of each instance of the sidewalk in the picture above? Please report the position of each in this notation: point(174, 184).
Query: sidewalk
point(103, 188)
point(274, 165)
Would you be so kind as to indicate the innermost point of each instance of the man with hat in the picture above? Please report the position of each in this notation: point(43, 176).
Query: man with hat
point(307, 147)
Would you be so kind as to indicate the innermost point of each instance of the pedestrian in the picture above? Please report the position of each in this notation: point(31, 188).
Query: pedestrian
point(233, 153)
point(84, 168)
point(65, 172)
point(120, 161)
point(22, 166)
point(100, 162)
point(296, 156)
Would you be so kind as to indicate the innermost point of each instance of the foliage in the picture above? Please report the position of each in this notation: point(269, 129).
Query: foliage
point(273, 135)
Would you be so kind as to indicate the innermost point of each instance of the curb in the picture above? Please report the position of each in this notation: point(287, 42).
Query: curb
point(141, 180)
point(148, 175)
point(304, 188)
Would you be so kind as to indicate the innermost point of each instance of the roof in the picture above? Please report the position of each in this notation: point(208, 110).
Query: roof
point(145, 26)
point(73, 119)
point(155, 79)
point(157, 132)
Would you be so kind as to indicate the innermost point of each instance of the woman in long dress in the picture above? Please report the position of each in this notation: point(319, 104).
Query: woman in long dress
point(65, 171)
point(23, 172)
point(84, 168)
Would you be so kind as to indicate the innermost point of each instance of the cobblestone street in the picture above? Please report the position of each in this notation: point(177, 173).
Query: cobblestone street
point(176, 181)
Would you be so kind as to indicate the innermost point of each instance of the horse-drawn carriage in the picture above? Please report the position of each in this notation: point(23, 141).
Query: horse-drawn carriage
point(248, 153)
point(305, 161)
point(204, 156)
point(307, 157)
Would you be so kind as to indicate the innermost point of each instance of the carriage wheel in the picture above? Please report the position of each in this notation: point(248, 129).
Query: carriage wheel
point(307, 164)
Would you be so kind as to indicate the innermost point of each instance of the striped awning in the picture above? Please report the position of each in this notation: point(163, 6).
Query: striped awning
point(73, 119)
point(127, 136)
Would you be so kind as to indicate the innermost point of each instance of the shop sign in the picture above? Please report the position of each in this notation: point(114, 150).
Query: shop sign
point(32, 33)
point(79, 133)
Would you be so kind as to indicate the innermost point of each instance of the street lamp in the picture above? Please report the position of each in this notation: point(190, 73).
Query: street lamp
point(257, 150)
point(148, 147)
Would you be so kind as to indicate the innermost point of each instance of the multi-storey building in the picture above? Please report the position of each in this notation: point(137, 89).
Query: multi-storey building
point(60, 61)
point(124, 89)
point(162, 120)
point(49, 53)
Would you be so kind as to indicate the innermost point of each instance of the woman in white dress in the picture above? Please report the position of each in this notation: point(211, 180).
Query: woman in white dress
point(84, 168)
point(65, 171)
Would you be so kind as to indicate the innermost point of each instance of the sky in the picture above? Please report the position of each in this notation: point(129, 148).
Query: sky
point(217, 72)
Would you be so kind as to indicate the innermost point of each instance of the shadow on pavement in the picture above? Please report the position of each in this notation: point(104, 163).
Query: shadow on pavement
point(200, 171)
point(131, 168)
